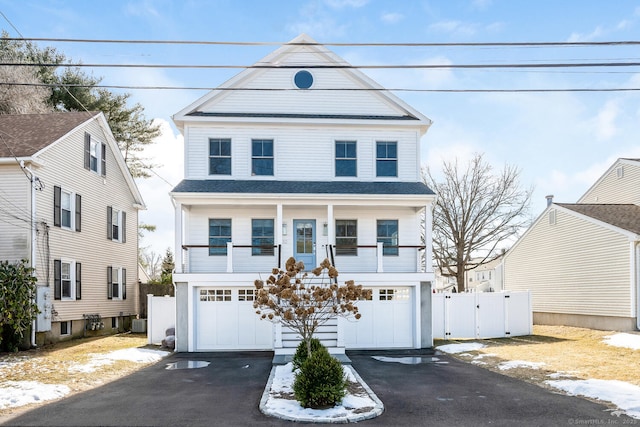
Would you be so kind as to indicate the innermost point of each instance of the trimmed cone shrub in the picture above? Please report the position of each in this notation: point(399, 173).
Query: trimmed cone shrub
point(301, 352)
point(321, 382)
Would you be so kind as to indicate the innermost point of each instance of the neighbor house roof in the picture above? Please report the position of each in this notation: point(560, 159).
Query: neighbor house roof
point(301, 187)
point(624, 216)
point(23, 135)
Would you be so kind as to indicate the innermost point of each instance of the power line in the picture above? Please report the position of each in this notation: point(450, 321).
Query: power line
point(244, 89)
point(373, 44)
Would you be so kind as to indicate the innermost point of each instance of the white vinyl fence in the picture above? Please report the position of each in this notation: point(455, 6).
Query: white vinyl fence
point(161, 315)
point(482, 315)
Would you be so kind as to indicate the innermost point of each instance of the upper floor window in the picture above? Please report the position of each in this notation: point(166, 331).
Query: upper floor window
point(116, 283)
point(66, 209)
point(262, 236)
point(346, 237)
point(95, 155)
point(386, 158)
point(387, 231)
point(116, 225)
point(67, 279)
point(346, 161)
point(219, 156)
point(219, 235)
point(262, 157)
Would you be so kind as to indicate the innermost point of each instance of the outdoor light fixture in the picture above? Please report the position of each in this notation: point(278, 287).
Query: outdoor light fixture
point(284, 228)
point(325, 229)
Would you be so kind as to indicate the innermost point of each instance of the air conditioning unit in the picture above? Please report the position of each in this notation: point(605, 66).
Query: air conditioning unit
point(139, 326)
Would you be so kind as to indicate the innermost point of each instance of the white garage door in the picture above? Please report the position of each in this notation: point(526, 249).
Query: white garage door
point(387, 320)
point(226, 320)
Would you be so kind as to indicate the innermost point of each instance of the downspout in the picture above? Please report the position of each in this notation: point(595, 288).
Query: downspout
point(637, 284)
point(34, 241)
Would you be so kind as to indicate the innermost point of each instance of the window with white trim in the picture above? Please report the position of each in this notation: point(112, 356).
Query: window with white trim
point(65, 328)
point(346, 237)
point(67, 208)
point(386, 158)
point(219, 156)
point(116, 225)
point(393, 294)
point(95, 155)
point(116, 283)
point(215, 295)
point(246, 294)
point(67, 280)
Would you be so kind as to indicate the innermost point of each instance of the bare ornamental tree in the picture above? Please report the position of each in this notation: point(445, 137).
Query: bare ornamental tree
point(304, 302)
point(476, 212)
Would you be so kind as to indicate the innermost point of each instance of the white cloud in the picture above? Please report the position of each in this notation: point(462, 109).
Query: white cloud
point(437, 77)
point(454, 27)
point(481, 4)
point(339, 4)
point(579, 37)
point(391, 17)
point(605, 121)
point(143, 9)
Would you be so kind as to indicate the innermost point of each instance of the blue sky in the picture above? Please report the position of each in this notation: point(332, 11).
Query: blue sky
point(562, 142)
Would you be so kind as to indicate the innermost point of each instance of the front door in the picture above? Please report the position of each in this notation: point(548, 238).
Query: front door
point(304, 248)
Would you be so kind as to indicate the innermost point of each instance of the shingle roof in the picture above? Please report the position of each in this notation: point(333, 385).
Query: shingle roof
point(23, 135)
point(302, 116)
point(625, 216)
point(301, 187)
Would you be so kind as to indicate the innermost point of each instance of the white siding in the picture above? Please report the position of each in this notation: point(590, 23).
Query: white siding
point(295, 147)
point(15, 214)
point(65, 168)
point(615, 188)
point(573, 267)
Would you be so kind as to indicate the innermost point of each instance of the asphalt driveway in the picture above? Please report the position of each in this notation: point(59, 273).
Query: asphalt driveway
point(227, 393)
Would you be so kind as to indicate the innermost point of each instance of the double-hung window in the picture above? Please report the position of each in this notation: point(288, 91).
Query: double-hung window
point(116, 283)
point(346, 237)
point(66, 209)
point(95, 155)
point(219, 156)
point(386, 158)
point(387, 230)
point(116, 225)
point(67, 280)
point(219, 235)
point(262, 157)
point(262, 238)
point(346, 160)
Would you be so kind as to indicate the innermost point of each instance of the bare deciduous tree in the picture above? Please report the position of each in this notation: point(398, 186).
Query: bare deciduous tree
point(22, 99)
point(476, 210)
point(303, 304)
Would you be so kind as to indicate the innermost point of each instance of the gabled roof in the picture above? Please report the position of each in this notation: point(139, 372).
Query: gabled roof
point(626, 216)
point(371, 100)
point(23, 135)
point(622, 160)
point(301, 187)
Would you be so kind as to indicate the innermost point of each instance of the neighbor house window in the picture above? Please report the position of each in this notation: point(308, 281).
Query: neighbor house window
point(66, 209)
point(219, 156)
point(262, 237)
point(219, 235)
point(67, 280)
point(262, 157)
point(116, 224)
point(95, 155)
point(346, 237)
point(116, 283)
point(346, 160)
point(386, 158)
point(388, 236)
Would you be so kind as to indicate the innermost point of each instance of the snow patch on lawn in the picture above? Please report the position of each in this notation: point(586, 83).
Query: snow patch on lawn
point(136, 355)
point(20, 393)
point(624, 395)
point(513, 364)
point(631, 341)
point(460, 347)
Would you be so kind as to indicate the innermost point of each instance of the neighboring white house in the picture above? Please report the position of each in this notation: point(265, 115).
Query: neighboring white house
point(582, 261)
point(484, 278)
point(277, 164)
point(69, 205)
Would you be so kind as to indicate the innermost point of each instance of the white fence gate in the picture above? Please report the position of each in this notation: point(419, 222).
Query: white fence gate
point(161, 315)
point(482, 315)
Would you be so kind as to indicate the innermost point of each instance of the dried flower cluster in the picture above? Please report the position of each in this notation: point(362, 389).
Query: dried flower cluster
point(304, 302)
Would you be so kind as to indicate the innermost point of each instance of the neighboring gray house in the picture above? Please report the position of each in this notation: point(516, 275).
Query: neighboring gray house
point(298, 170)
point(582, 261)
point(69, 205)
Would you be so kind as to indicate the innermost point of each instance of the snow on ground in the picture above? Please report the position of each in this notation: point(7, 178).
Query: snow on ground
point(19, 393)
point(460, 347)
point(631, 341)
point(624, 395)
point(281, 403)
point(513, 364)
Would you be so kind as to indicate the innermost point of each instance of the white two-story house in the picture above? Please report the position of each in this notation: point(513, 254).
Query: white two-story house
point(69, 206)
point(301, 155)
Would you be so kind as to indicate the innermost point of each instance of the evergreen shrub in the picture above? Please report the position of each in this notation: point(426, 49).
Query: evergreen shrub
point(321, 382)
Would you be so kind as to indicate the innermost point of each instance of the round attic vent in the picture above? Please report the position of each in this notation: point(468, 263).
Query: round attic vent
point(303, 79)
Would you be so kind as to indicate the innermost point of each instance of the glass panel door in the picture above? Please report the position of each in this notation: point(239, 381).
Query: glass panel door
point(305, 242)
